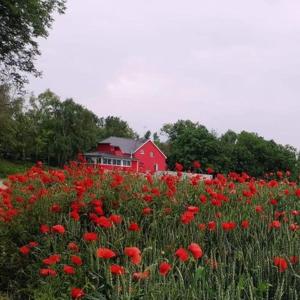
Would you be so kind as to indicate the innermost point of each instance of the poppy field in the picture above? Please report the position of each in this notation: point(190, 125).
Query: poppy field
point(83, 233)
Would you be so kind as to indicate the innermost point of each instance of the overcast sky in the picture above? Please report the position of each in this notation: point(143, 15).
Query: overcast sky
point(227, 64)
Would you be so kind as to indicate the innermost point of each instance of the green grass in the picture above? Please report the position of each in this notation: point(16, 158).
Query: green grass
point(12, 167)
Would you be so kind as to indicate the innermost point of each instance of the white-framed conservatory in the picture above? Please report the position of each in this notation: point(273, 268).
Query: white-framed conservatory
point(106, 159)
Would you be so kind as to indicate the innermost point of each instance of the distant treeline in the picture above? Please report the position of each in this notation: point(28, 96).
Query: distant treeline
point(54, 131)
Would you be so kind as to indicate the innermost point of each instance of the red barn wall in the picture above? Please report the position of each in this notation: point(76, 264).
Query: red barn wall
point(146, 162)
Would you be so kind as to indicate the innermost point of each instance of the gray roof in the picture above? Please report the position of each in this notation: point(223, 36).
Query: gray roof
point(125, 144)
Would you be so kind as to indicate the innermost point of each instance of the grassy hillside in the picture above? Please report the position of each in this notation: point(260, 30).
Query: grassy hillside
point(9, 167)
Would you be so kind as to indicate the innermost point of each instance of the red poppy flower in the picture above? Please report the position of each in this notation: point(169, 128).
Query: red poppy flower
point(196, 250)
point(47, 272)
point(211, 225)
point(25, 250)
point(203, 198)
point(44, 228)
point(259, 209)
point(187, 217)
point(141, 275)
point(245, 224)
point(104, 222)
point(148, 198)
point(294, 227)
point(196, 164)
point(182, 254)
point(273, 183)
point(280, 263)
point(58, 229)
point(202, 226)
point(193, 209)
point(164, 268)
point(117, 269)
point(275, 224)
point(76, 260)
point(69, 270)
point(136, 260)
point(56, 208)
point(228, 226)
point(294, 259)
point(178, 167)
point(134, 227)
point(73, 247)
point(116, 219)
point(297, 193)
point(155, 191)
point(52, 259)
point(32, 244)
point(90, 236)
point(147, 211)
point(75, 215)
point(273, 202)
point(134, 253)
point(209, 170)
point(77, 293)
point(99, 210)
point(105, 253)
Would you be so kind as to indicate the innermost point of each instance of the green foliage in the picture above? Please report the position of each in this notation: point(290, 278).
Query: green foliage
point(21, 24)
point(52, 130)
point(243, 152)
point(189, 142)
point(114, 126)
point(147, 135)
point(8, 167)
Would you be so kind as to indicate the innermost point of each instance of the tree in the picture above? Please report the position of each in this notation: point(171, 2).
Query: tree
point(114, 126)
point(147, 135)
point(189, 142)
point(257, 156)
point(156, 138)
point(5, 119)
point(62, 128)
point(21, 24)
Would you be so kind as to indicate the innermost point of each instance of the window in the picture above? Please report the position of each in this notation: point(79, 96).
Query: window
point(105, 161)
point(118, 162)
point(126, 163)
point(114, 161)
point(142, 152)
point(109, 161)
point(151, 154)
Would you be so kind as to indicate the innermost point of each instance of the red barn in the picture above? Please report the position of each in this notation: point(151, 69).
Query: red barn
point(123, 153)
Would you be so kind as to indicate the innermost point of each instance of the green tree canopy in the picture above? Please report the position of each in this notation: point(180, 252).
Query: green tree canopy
point(114, 126)
point(21, 24)
point(243, 152)
point(189, 142)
